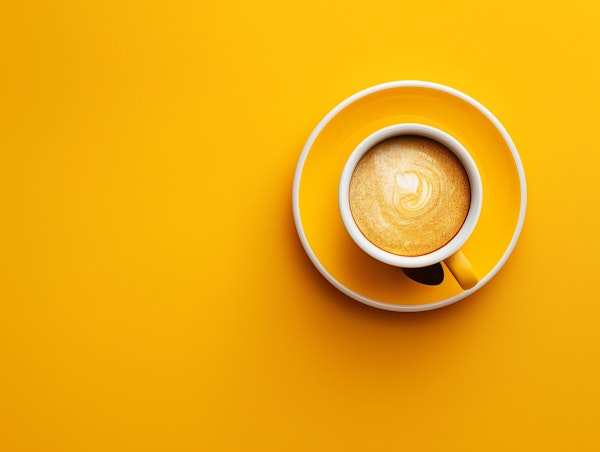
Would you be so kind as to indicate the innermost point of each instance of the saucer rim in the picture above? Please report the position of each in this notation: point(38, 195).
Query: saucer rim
point(318, 129)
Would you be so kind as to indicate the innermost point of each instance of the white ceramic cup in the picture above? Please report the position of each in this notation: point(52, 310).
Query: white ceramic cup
point(450, 253)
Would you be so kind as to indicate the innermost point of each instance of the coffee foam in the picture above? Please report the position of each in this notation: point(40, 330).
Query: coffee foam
point(409, 195)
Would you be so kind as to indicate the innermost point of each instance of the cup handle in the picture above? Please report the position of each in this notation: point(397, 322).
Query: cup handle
point(462, 270)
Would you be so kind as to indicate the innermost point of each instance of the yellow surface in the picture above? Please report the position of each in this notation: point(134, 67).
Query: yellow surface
point(154, 295)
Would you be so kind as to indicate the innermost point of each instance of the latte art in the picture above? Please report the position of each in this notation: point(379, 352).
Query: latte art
point(413, 192)
point(409, 195)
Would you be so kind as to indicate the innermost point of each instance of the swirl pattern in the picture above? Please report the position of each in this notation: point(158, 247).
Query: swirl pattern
point(413, 192)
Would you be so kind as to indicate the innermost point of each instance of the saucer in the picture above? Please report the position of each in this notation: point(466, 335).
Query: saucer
point(315, 192)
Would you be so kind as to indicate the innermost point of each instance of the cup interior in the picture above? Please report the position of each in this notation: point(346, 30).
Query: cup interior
point(463, 233)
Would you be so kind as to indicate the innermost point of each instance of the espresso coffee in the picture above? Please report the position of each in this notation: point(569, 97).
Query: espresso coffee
point(409, 195)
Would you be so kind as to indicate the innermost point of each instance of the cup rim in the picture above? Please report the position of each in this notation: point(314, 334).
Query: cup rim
point(466, 229)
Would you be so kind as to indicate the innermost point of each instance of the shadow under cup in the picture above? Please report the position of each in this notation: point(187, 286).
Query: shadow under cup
point(401, 201)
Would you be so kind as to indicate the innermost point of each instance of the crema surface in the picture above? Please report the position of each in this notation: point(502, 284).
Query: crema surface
point(409, 195)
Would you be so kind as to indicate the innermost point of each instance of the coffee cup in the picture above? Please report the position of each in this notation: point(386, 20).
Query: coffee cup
point(410, 196)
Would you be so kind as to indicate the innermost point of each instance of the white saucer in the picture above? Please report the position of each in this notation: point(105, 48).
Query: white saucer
point(314, 198)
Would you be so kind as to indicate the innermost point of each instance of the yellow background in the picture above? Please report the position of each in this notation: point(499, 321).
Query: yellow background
point(154, 295)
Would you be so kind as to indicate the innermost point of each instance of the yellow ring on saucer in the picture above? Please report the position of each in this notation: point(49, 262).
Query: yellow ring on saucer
point(315, 191)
